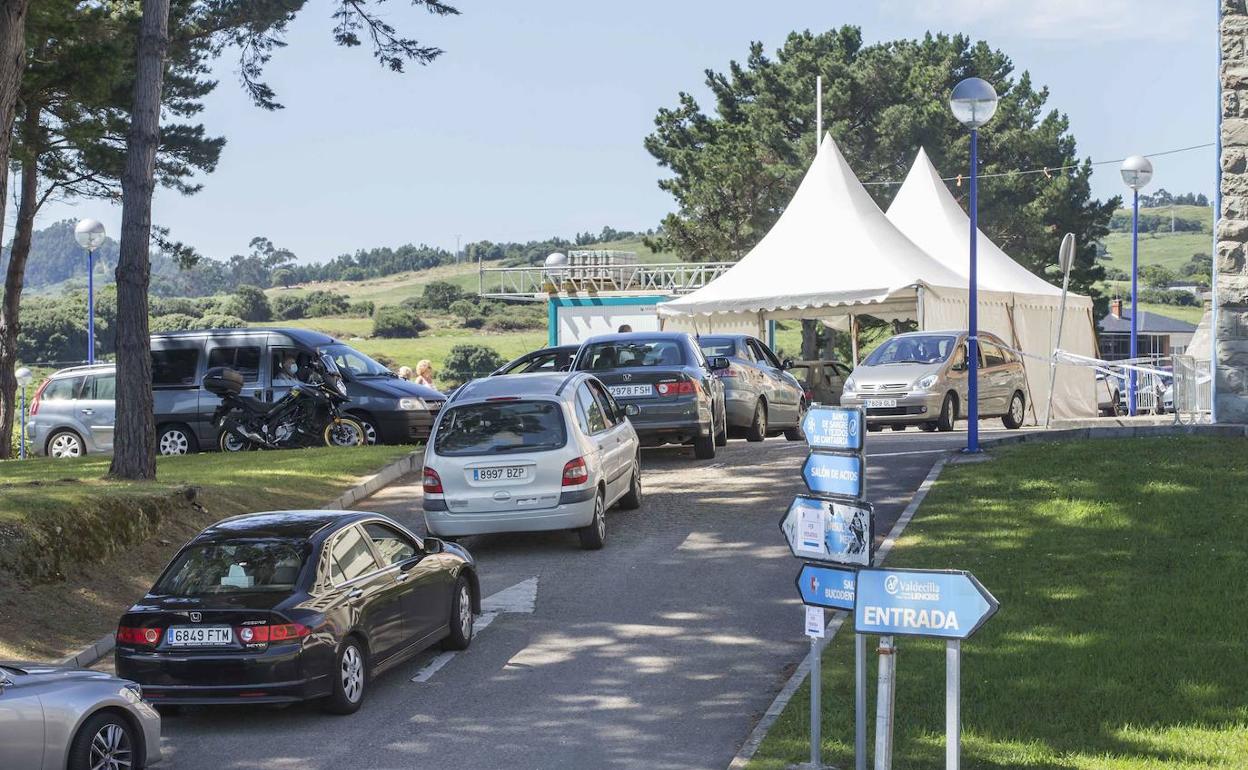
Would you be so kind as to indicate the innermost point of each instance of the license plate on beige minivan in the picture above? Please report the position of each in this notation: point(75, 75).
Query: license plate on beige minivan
point(881, 403)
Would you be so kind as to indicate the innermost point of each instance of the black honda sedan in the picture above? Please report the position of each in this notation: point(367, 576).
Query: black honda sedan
point(295, 605)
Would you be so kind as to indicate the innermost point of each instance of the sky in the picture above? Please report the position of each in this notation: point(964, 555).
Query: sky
point(531, 124)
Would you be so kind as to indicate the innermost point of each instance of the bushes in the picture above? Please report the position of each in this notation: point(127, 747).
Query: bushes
point(509, 323)
point(467, 362)
point(440, 294)
point(221, 321)
point(250, 304)
point(364, 308)
point(175, 322)
point(160, 306)
point(1169, 297)
point(321, 303)
point(289, 308)
point(396, 321)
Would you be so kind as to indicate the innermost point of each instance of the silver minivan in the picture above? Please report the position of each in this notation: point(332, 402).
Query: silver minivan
point(920, 378)
point(73, 411)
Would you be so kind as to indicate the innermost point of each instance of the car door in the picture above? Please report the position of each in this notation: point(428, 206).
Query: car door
point(619, 450)
point(596, 427)
point(21, 723)
point(424, 586)
point(782, 396)
point(995, 380)
point(175, 388)
point(375, 596)
point(97, 408)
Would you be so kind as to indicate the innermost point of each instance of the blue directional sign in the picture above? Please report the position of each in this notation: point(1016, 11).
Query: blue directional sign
point(948, 604)
point(831, 587)
point(830, 530)
point(834, 427)
point(829, 474)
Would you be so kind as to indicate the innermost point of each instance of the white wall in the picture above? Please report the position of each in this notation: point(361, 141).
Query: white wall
point(576, 323)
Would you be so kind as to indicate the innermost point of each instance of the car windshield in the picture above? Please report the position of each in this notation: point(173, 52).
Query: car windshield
point(500, 427)
point(918, 349)
point(628, 354)
point(717, 346)
point(353, 362)
point(235, 566)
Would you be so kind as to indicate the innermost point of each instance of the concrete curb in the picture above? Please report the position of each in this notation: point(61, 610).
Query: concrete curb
point(92, 653)
point(1115, 431)
point(370, 486)
point(750, 747)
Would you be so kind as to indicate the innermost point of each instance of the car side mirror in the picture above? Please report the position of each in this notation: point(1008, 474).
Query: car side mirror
point(718, 362)
point(786, 364)
point(434, 545)
point(631, 410)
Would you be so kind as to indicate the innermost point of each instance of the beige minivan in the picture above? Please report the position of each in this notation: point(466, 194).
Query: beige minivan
point(919, 378)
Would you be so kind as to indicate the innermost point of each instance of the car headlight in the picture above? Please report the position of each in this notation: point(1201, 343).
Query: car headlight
point(412, 404)
point(850, 385)
point(925, 383)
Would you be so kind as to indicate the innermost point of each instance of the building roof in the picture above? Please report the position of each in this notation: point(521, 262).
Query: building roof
point(1150, 323)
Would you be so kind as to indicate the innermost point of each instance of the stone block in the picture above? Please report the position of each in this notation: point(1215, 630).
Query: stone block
point(1233, 289)
point(1231, 8)
point(1234, 78)
point(1232, 408)
point(1234, 207)
point(1234, 161)
point(1230, 257)
point(1234, 133)
point(1233, 230)
point(1235, 184)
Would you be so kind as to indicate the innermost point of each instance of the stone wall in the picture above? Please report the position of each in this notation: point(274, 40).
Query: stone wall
point(1232, 232)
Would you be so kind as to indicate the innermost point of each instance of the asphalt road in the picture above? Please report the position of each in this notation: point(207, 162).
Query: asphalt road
point(660, 652)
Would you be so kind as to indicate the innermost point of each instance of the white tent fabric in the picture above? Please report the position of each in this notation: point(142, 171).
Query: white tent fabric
point(831, 247)
point(834, 254)
point(1015, 303)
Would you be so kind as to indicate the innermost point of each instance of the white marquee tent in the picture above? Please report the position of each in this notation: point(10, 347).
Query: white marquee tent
point(833, 255)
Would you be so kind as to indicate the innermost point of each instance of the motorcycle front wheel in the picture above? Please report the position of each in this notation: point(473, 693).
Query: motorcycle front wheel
point(344, 432)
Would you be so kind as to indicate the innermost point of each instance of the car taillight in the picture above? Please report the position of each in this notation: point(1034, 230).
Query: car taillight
point(575, 472)
point(810, 395)
point(678, 388)
point(432, 482)
point(142, 637)
point(283, 632)
point(731, 371)
point(34, 402)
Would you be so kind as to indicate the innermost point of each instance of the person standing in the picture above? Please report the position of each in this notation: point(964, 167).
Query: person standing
point(424, 373)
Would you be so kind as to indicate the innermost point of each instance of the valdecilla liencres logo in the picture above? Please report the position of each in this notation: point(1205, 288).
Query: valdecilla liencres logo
point(892, 584)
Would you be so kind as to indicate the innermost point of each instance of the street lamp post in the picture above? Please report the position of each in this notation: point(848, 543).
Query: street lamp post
point(24, 377)
point(90, 235)
point(973, 102)
point(1137, 171)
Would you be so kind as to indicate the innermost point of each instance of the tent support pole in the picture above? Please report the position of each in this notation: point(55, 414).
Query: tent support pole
point(853, 337)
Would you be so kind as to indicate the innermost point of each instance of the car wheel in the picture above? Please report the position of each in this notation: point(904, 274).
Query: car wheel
point(175, 440)
point(758, 426)
point(370, 429)
point(899, 427)
point(350, 678)
point(631, 501)
point(594, 535)
point(1013, 419)
point(796, 433)
point(704, 446)
point(721, 436)
point(65, 444)
point(105, 740)
point(874, 428)
point(461, 617)
point(948, 413)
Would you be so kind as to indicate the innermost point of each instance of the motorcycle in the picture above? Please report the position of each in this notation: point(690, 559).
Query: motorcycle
point(309, 415)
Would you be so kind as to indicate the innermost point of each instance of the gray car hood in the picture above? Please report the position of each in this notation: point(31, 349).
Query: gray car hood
point(38, 673)
point(884, 374)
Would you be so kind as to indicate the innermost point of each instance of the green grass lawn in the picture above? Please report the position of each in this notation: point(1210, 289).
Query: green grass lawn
point(1121, 569)
point(1170, 250)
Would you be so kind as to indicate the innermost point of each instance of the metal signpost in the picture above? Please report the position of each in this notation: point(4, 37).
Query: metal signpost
point(945, 604)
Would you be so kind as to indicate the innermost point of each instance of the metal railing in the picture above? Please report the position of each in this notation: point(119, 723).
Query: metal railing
point(1193, 393)
point(534, 281)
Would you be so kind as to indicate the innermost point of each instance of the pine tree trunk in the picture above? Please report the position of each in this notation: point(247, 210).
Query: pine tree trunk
point(134, 441)
point(10, 323)
point(12, 66)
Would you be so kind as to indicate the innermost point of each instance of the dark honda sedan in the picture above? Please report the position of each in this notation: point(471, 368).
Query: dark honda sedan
point(295, 605)
point(673, 385)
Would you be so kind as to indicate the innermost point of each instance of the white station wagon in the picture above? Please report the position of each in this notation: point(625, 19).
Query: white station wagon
point(531, 453)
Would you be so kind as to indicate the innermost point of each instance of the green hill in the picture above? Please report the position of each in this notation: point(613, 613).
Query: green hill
point(1161, 246)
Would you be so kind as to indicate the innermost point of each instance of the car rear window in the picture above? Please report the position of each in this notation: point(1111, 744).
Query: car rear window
point(717, 346)
point(628, 354)
point(63, 389)
point(234, 566)
point(500, 427)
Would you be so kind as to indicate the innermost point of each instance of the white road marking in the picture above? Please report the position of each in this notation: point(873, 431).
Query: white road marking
point(520, 598)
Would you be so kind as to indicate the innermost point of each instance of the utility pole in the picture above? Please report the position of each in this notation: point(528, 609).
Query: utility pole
point(457, 237)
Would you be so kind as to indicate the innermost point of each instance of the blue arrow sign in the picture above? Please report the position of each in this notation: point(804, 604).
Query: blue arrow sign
point(831, 587)
point(830, 530)
point(834, 427)
point(948, 604)
point(827, 474)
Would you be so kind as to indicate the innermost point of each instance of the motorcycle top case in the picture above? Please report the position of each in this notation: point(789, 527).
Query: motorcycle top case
point(221, 381)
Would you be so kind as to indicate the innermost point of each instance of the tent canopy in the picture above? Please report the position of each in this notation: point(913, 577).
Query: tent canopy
point(832, 246)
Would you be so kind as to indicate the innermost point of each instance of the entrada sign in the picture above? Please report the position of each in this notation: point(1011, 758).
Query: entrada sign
point(830, 530)
point(833, 427)
point(830, 587)
point(829, 474)
point(948, 604)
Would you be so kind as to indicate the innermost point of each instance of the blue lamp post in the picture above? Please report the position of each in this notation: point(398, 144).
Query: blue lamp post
point(23, 377)
point(90, 235)
point(973, 102)
point(1137, 171)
